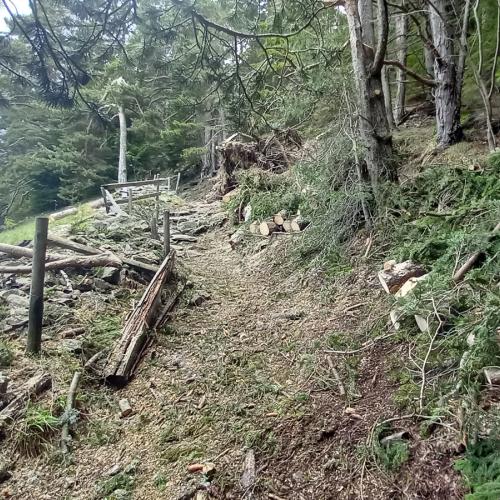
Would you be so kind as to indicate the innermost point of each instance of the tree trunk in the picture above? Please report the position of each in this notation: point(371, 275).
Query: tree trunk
point(386, 87)
point(448, 85)
point(122, 161)
point(373, 124)
point(401, 56)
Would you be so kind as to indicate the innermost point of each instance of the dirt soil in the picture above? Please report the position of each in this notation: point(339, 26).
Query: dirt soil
point(246, 370)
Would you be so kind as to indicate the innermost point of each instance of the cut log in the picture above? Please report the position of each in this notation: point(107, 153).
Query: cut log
point(125, 408)
point(287, 226)
point(34, 386)
point(492, 375)
point(394, 278)
point(229, 196)
point(422, 323)
point(87, 250)
point(254, 228)
point(127, 352)
point(298, 224)
point(267, 228)
point(280, 217)
point(103, 260)
point(394, 317)
point(19, 252)
point(410, 285)
point(72, 333)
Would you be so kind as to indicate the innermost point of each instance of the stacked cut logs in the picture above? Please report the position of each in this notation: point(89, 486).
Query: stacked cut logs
point(281, 223)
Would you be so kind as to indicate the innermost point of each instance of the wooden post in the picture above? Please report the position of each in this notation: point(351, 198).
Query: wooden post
point(178, 182)
point(103, 192)
point(154, 228)
point(35, 317)
point(168, 184)
point(129, 200)
point(166, 232)
point(157, 205)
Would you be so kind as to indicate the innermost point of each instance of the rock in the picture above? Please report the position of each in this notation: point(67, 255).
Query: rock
point(113, 471)
point(73, 346)
point(5, 294)
point(248, 477)
point(199, 298)
point(492, 375)
point(100, 284)
point(85, 286)
point(147, 258)
point(4, 383)
point(132, 467)
point(18, 301)
point(4, 472)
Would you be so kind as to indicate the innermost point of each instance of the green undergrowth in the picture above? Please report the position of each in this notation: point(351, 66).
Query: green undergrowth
point(266, 193)
point(439, 219)
point(481, 469)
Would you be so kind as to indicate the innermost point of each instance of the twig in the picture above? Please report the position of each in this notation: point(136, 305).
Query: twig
point(424, 364)
point(70, 401)
point(336, 375)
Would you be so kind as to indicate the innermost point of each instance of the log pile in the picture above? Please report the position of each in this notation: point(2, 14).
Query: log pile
point(281, 223)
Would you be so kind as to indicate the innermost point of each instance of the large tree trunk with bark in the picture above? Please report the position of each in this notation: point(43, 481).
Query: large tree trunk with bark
point(373, 124)
point(122, 160)
point(446, 73)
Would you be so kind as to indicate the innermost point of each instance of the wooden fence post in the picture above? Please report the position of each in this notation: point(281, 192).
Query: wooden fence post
point(166, 232)
point(157, 205)
point(178, 181)
point(35, 317)
point(168, 184)
point(103, 192)
point(129, 200)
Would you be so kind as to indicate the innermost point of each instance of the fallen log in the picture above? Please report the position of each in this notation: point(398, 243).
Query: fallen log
point(16, 251)
point(102, 260)
point(287, 226)
point(63, 213)
point(267, 228)
point(183, 238)
point(34, 386)
point(394, 276)
point(473, 260)
point(174, 292)
point(298, 224)
point(127, 352)
point(88, 250)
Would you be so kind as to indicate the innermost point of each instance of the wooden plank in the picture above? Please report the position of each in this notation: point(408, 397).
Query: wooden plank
point(150, 182)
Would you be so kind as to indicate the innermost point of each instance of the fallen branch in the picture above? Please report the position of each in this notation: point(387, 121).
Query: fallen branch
point(126, 354)
point(336, 376)
point(18, 252)
point(88, 250)
point(68, 413)
point(473, 259)
point(103, 260)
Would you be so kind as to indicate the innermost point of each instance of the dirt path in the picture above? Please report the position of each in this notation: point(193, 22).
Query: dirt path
point(247, 370)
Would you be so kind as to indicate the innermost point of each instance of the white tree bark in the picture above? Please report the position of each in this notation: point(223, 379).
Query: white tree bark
point(122, 160)
point(401, 34)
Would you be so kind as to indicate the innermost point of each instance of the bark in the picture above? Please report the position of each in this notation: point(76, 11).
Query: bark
point(447, 74)
point(374, 128)
point(401, 55)
point(19, 252)
point(122, 160)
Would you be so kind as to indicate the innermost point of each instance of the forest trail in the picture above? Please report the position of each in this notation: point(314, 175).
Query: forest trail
point(241, 370)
